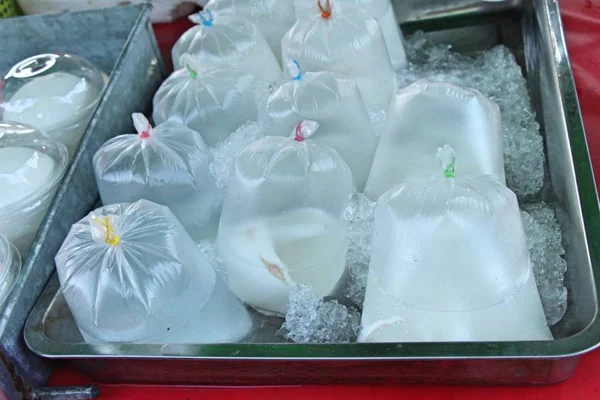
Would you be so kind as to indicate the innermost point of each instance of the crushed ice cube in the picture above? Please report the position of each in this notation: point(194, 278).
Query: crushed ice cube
point(211, 251)
point(225, 153)
point(546, 251)
point(359, 217)
point(310, 319)
point(496, 74)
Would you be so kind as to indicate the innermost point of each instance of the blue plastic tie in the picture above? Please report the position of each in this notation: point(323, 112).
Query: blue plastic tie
point(299, 76)
point(209, 21)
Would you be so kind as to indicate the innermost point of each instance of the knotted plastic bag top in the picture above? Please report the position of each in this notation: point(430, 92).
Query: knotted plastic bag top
point(229, 41)
point(125, 268)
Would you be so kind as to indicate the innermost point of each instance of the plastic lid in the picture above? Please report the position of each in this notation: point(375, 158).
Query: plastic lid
point(10, 267)
point(31, 166)
point(50, 91)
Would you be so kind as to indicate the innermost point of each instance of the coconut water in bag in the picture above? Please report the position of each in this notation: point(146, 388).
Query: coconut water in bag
point(212, 100)
point(427, 115)
point(350, 45)
point(131, 273)
point(281, 223)
point(227, 41)
point(168, 165)
point(381, 10)
point(337, 105)
point(272, 17)
point(450, 262)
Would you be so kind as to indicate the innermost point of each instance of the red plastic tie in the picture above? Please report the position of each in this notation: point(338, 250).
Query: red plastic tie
point(298, 137)
point(325, 12)
point(146, 134)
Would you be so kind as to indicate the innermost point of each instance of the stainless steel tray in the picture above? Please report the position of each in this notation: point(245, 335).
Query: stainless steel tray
point(533, 31)
point(121, 43)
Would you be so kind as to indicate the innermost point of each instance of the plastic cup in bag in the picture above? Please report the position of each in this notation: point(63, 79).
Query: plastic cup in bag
point(381, 10)
point(230, 42)
point(55, 93)
point(131, 273)
point(427, 115)
point(272, 17)
point(168, 165)
point(450, 262)
point(10, 267)
point(348, 44)
point(281, 223)
point(215, 101)
point(337, 105)
point(31, 168)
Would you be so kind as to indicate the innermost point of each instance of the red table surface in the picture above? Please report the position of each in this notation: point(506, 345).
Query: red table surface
point(582, 24)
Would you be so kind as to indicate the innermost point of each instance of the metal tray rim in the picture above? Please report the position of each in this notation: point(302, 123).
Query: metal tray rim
point(578, 344)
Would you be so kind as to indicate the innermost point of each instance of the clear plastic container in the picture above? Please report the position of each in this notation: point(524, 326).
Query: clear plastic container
point(31, 167)
point(222, 39)
point(281, 223)
point(131, 273)
point(272, 17)
point(348, 44)
point(10, 267)
point(55, 93)
point(381, 10)
point(450, 262)
point(212, 100)
point(168, 165)
point(427, 115)
point(337, 105)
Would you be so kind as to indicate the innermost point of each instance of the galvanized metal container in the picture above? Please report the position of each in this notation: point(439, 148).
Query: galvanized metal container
point(534, 32)
point(120, 42)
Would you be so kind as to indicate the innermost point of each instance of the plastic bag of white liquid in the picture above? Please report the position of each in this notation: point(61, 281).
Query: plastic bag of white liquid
point(450, 263)
point(350, 45)
point(215, 101)
point(336, 104)
point(228, 41)
point(281, 223)
point(427, 115)
point(272, 17)
point(131, 273)
point(381, 10)
point(168, 165)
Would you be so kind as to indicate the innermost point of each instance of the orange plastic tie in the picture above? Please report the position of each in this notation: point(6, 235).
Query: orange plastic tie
point(325, 12)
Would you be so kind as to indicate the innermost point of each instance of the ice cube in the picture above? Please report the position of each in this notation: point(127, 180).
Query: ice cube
point(546, 251)
point(310, 319)
point(211, 252)
point(359, 217)
point(224, 153)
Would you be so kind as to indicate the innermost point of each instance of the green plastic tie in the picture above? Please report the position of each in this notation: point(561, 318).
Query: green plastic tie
point(193, 74)
point(449, 170)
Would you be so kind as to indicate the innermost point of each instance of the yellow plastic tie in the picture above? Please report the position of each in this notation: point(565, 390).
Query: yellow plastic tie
point(111, 236)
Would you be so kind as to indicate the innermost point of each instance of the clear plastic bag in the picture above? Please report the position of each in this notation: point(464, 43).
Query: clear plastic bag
point(425, 116)
point(337, 105)
point(131, 273)
point(230, 42)
point(350, 45)
point(281, 223)
point(31, 169)
point(55, 93)
point(272, 17)
point(168, 165)
point(211, 100)
point(381, 10)
point(450, 262)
